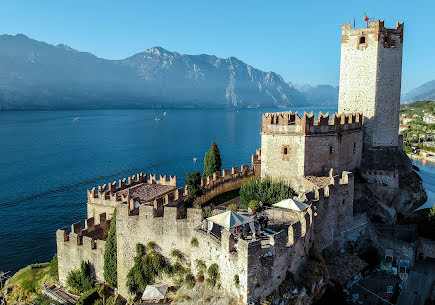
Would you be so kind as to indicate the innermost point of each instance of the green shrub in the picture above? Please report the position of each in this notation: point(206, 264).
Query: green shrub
point(177, 254)
point(253, 204)
point(236, 280)
point(189, 280)
point(431, 214)
point(147, 266)
point(151, 245)
point(81, 280)
point(88, 297)
point(265, 190)
point(207, 211)
point(193, 184)
point(54, 270)
point(212, 161)
point(200, 265)
point(233, 207)
point(194, 242)
point(110, 256)
point(213, 275)
point(42, 299)
point(98, 302)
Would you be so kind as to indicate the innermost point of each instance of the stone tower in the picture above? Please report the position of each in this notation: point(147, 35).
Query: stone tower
point(370, 80)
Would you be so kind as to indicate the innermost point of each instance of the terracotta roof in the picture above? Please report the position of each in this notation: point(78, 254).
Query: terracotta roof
point(344, 266)
point(147, 192)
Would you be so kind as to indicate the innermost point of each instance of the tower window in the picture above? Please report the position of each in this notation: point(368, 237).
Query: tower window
point(285, 150)
point(362, 40)
point(331, 149)
point(354, 147)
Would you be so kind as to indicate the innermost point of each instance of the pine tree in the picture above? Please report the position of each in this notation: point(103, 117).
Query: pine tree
point(212, 161)
point(110, 256)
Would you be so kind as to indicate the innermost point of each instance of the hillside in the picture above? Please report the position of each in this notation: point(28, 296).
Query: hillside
point(37, 75)
point(425, 92)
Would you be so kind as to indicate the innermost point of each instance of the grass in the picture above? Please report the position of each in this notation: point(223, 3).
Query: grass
point(224, 197)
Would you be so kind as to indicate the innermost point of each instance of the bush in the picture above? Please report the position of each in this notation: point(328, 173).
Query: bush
point(265, 190)
point(194, 242)
point(253, 204)
point(233, 207)
point(189, 280)
point(151, 246)
point(213, 275)
point(89, 297)
point(207, 211)
point(110, 256)
point(431, 214)
point(193, 184)
point(177, 254)
point(54, 271)
point(212, 161)
point(236, 280)
point(147, 266)
point(81, 280)
point(42, 299)
point(200, 265)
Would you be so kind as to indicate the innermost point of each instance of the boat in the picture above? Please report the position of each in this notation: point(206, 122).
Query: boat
point(164, 113)
point(194, 160)
point(156, 119)
point(76, 119)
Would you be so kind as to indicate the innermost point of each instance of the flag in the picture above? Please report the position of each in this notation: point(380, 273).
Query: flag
point(366, 19)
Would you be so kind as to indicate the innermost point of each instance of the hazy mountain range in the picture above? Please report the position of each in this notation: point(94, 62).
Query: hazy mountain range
point(37, 75)
point(421, 93)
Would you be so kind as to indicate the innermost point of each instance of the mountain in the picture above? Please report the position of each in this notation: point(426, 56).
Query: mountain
point(425, 92)
point(37, 75)
point(328, 95)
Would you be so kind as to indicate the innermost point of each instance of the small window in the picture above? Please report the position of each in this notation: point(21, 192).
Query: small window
point(285, 150)
point(354, 147)
point(331, 149)
point(362, 40)
point(342, 202)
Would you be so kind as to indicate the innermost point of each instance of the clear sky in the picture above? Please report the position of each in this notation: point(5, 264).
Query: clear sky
point(300, 40)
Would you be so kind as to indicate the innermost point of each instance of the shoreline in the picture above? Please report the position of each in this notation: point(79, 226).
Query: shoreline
point(424, 160)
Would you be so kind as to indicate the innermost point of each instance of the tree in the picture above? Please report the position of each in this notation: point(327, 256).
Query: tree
point(193, 184)
point(212, 161)
point(81, 280)
point(110, 256)
point(54, 273)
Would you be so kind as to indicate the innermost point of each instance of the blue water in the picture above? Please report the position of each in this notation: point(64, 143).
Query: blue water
point(47, 161)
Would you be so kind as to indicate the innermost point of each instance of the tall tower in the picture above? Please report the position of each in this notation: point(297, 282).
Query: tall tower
point(370, 80)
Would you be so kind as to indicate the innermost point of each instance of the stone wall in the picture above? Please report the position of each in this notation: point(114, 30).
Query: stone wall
point(382, 177)
point(370, 79)
point(82, 245)
point(217, 184)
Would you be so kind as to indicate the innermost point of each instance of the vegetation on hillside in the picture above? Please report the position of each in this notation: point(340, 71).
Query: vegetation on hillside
point(212, 161)
point(265, 190)
point(82, 280)
point(110, 256)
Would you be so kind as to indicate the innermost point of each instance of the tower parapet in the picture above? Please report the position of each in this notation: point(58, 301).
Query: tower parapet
point(292, 123)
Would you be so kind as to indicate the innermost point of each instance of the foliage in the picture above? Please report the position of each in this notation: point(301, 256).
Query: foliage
point(224, 197)
point(189, 280)
point(88, 297)
point(178, 269)
point(30, 279)
point(177, 254)
point(207, 211)
point(81, 280)
point(236, 280)
point(314, 269)
point(193, 184)
point(110, 256)
point(194, 242)
point(253, 204)
point(233, 207)
point(151, 246)
point(200, 265)
point(54, 271)
point(212, 161)
point(147, 266)
point(431, 214)
point(213, 275)
point(407, 149)
point(265, 190)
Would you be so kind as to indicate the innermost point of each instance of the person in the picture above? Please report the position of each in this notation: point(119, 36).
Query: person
point(260, 206)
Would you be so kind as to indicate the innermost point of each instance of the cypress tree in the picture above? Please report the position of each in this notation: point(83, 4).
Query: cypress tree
point(212, 161)
point(110, 256)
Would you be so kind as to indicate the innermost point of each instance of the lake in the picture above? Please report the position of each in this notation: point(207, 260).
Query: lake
point(48, 160)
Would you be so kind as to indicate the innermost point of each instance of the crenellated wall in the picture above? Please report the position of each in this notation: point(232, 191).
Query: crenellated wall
point(217, 184)
point(106, 198)
point(80, 244)
point(294, 147)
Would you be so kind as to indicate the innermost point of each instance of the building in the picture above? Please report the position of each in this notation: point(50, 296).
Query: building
point(403, 127)
point(370, 80)
point(314, 155)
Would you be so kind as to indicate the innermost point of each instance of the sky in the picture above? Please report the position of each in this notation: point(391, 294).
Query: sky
point(300, 40)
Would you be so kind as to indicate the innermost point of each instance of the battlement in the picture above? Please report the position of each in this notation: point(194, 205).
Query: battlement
point(321, 186)
point(292, 123)
point(113, 193)
point(374, 27)
point(217, 179)
point(93, 236)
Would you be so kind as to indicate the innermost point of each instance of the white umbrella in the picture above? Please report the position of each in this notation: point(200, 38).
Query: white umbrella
point(155, 292)
point(291, 204)
point(230, 219)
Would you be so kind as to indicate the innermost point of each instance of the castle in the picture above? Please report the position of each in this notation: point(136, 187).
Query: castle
point(316, 156)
